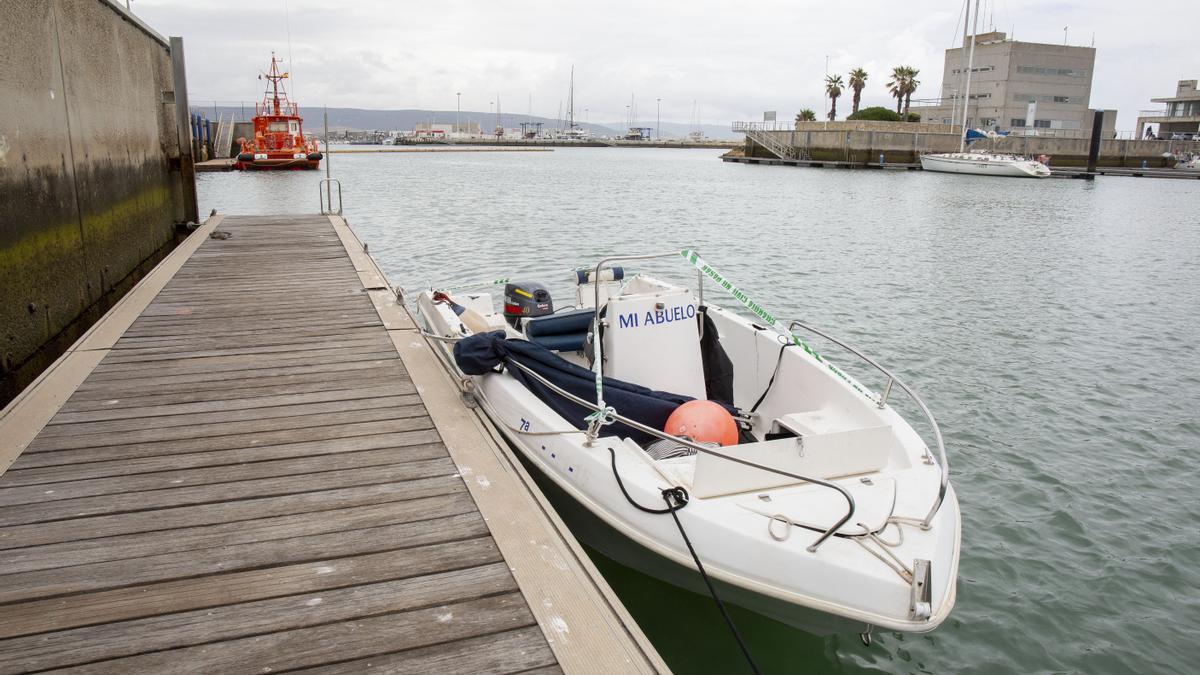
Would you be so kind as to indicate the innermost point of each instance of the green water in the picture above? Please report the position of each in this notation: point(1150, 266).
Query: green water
point(1050, 325)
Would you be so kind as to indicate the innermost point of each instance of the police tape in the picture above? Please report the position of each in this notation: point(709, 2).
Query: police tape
point(476, 284)
point(759, 311)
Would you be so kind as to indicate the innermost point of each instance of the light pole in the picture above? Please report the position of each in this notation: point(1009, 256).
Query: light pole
point(658, 118)
point(457, 114)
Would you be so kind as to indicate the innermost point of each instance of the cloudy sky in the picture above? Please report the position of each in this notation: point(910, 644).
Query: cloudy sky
point(735, 59)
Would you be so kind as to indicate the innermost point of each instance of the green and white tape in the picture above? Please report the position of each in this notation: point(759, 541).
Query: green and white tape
point(766, 317)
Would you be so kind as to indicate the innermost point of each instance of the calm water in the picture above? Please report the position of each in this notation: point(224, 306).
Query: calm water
point(1050, 325)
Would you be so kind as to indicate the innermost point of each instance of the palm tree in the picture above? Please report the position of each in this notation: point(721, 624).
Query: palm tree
point(858, 80)
point(910, 85)
point(833, 87)
point(806, 115)
point(897, 84)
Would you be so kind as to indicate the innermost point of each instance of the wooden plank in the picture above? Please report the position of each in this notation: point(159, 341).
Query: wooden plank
point(97, 643)
point(122, 482)
point(186, 584)
point(94, 462)
point(134, 398)
point(231, 403)
point(359, 638)
point(95, 527)
point(206, 381)
point(147, 500)
point(157, 354)
point(523, 650)
point(82, 553)
point(236, 362)
point(364, 401)
point(208, 431)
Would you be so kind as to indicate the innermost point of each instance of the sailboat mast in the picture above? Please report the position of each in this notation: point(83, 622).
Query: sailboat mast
point(571, 102)
point(962, 141)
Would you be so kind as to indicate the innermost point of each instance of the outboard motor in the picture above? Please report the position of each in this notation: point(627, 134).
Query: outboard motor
point(525, 299)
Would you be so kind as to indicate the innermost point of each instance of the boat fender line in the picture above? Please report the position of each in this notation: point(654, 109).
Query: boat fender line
point(676, 498)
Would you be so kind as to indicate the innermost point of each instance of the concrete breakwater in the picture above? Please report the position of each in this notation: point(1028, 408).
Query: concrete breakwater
point(92, 178)
point(865, 143)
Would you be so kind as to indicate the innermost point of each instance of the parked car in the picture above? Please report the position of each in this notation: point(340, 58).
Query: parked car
point(1183, 136)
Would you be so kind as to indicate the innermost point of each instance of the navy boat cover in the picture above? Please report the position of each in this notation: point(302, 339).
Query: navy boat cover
point(480, 354)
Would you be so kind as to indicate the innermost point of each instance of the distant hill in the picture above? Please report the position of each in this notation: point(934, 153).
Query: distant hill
point(360, 119)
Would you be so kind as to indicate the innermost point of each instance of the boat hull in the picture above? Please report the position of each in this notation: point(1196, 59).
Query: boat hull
point(985, 165)
point(594, 532)
point(281, 164)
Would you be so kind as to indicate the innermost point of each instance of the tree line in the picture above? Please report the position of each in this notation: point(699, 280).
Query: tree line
point(901, 86)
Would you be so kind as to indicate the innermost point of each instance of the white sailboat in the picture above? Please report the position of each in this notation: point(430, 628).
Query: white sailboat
point(816, 504)
point(980, 163)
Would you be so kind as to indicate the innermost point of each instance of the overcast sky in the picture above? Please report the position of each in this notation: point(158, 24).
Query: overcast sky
point(735, 59)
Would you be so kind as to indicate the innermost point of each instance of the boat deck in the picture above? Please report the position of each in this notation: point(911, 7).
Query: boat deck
point(254, 463)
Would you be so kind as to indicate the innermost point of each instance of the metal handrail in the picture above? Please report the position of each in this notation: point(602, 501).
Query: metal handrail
point(882, 402)
point(700, 448)
point(325, 194)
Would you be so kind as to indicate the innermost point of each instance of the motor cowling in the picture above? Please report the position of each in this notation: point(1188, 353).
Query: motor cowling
point(524, 299)
point(314, 156)
point(246, 157)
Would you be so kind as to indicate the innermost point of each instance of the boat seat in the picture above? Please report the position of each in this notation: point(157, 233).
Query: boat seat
point(561, 332)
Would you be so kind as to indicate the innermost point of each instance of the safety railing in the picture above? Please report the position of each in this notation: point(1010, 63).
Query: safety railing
point(325, 194)
point(699, 448)
point(882, 403)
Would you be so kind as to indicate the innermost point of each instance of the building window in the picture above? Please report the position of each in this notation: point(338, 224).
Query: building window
point(980, 69)
point(1017, 122)
point(989, 121)
point(1041, 98)
point(1060, 72)
point(1041, 124)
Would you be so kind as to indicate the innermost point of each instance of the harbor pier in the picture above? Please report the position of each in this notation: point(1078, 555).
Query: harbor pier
point(254, 461)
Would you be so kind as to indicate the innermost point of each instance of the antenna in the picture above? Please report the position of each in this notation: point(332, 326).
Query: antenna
point(287, 22)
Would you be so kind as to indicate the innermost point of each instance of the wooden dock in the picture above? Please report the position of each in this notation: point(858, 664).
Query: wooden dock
point(255, 464)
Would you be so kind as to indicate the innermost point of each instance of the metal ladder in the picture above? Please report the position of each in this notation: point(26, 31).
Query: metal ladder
point(224, 141)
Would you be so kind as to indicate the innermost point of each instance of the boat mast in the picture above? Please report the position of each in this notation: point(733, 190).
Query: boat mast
point(962, 76)
point(571, 102)
point(962, 141)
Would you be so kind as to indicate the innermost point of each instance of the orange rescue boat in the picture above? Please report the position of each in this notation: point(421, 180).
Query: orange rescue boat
point(279, 141)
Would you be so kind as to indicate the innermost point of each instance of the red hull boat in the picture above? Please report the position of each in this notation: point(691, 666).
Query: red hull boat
point(279, 141)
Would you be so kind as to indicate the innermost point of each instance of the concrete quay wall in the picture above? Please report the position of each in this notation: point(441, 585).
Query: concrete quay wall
point(90, 181)
point(866, 146)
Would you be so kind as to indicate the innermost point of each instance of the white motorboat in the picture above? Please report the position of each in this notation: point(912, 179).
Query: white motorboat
point(985, 164)
point(825, 510)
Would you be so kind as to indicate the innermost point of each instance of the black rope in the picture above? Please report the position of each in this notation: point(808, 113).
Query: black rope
point(677, 498)
point(771, 383)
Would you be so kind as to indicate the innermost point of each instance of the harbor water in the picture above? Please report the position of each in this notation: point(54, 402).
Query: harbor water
point(1050, 325)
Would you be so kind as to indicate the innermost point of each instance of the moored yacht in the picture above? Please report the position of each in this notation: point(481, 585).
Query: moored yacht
point(980, 163)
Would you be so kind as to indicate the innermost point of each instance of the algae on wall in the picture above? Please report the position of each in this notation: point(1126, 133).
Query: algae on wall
point(90, 186)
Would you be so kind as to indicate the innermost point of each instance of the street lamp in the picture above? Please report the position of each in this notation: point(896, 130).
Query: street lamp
point(658, 119)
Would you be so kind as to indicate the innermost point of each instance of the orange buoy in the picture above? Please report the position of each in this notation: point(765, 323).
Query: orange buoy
point(703, 422)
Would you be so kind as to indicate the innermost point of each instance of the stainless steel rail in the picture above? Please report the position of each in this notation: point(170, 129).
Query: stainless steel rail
point(700, 448)
point(325, 194)
point(892, 378)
